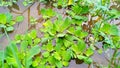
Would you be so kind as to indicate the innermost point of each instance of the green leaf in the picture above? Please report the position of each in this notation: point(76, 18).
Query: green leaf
point(61, 35)
point(2, 26)
point(65, 63)
point(3, 19)
point(57, 56)
point(6, 65)
point(33, 34)
point(48, 66)
point(83, 34)
point(47, 13)
point(76, 9)
point(70, 13)
point(114, 30)
point(48, 24)
point(35, 63)
point(64, 25)
point(33, 51)
point(85, 9)
point(8, 49)
point(81, 57)
point(19, 18)
point(67, 43)
point(50, 12)
point(110, 29)
point(25, 3)
point(51, 60)
point(43, 61)
point(42, 66)
point(11, 61)
point(115, 13)
point(28, 38)
point(49, 47)
point(66, 55)
point(18, 38)
point(83, 18)
point(12, 23)
point(46, 54)
point(12, 51)
point(10, 28)
point(36, 40)
point(89, 52)
point(71, 38)
point(9, 17)
point(75, 49)
point(80, 33)
point(71, 30)
point(59, 43)
point(88, 60)
point(105, 27)
point(81, 45)
point(59, 64)
point(24, 45)
point(58, 23)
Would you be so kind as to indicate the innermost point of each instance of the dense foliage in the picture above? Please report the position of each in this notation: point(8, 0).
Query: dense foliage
point(73, 35)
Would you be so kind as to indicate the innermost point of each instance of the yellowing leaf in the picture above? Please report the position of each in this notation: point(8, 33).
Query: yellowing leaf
point(70, 2)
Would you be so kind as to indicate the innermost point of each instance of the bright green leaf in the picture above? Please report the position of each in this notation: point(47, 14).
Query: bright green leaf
point(89, 52)
point(57, 56)
point(3, 19)
point(65, 63)
point(46, 54)
point(19, 18)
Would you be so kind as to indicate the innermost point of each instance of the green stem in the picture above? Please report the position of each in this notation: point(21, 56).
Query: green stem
point(7, 35)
